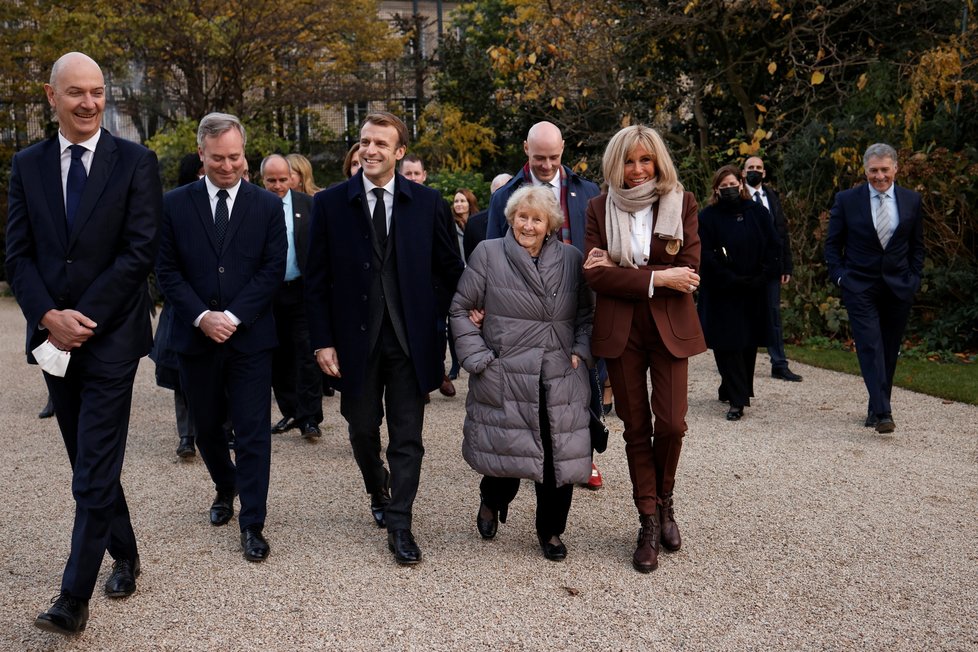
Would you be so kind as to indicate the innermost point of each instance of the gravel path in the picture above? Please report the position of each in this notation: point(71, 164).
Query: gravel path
point(802, 531)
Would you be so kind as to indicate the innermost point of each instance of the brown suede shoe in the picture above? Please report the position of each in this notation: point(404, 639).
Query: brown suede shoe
point(646, 557)
point(670, 538)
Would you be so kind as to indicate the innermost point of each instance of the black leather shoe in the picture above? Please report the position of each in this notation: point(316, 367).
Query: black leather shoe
point(885, 424)
point(253, 544)
point(284, 424)
point(783, 373)
point(735, 412)
point(378, 507)
point(552, 551)
point(329, 391)
point(222, 509)
point(406, 551)
point(871, 419)
point(229, 436)
point(67, 615)
point(488, 526)
point(122, 581)
point(310, 431)
point(48, 411)
point(186, 447)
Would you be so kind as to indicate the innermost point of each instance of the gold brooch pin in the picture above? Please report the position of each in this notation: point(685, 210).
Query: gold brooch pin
point(672, 247)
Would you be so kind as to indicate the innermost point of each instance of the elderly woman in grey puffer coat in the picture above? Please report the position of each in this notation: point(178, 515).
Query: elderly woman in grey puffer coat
point(521, 319)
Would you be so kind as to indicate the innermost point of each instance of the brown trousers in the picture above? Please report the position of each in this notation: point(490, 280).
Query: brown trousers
point(652, 452)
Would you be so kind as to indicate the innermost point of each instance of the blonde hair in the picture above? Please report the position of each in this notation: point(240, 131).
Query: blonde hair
point(301, 165)
point(621, 145)
point(535, 198)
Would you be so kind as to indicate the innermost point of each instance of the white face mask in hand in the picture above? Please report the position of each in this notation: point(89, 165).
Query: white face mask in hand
point(52, 359)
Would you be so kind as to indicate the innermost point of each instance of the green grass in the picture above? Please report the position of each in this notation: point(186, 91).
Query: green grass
point(955, 382)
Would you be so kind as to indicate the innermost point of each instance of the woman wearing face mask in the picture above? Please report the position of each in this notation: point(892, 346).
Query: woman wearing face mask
point(740, 256)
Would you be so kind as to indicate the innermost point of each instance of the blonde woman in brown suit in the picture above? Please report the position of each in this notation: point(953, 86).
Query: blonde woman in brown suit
point(643, 253)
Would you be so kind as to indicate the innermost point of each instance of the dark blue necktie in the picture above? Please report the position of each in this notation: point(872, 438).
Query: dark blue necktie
point(75, 185)
point(221, 217)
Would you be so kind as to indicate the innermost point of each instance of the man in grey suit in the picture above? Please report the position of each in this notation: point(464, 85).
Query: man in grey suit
point(296, 378)
point(82, 232)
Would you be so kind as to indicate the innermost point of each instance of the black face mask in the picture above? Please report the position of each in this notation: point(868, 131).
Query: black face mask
point(754, 178)
point(730, 196)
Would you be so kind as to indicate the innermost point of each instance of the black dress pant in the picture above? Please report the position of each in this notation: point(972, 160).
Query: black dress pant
point(553, 502)
point(224, 381)
point(389, 380)
point(736, 375)
point(92, 405)
point(296, 378)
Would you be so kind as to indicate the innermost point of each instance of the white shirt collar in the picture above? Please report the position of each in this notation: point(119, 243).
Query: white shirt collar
point(874, 193)
point(87, 144)
point(212, 190)
point(759, 189)
point(370, 185)
point(550, 184)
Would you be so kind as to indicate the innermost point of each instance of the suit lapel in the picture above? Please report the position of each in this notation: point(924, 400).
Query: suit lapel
point(241, 210)
point(50, 176)
point(198, 194)
point(103, 161)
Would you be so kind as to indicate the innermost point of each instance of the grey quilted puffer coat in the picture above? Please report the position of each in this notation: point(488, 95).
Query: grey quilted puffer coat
point(537, 315)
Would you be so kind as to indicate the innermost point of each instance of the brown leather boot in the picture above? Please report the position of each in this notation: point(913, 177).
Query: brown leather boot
point(646, 557)
point(670, 538)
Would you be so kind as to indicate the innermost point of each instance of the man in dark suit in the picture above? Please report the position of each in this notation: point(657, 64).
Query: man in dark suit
point(754, 175)
point(379, 247)
point(222, 259)
point(875, 252)
point(296, 378)
point(82, 233)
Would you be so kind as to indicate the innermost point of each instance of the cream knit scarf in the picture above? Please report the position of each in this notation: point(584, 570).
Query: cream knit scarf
point(622, 202)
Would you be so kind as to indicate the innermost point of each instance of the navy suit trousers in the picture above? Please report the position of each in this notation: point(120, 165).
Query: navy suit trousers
point(92, 405)
point(877, 318)
point(226, 380)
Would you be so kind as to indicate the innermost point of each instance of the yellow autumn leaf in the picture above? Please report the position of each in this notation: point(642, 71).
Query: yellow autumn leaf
point(532, 58)
point(745, 149)
point(861, 83)
point(772, 68)
point(786, 18)
point(817, 77)
point(759, 135)
point(761, 108)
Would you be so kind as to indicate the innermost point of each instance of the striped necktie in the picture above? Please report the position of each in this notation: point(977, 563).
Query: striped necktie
point(883, 227)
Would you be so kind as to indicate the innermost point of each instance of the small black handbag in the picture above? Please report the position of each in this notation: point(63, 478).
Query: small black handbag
point(599, 432)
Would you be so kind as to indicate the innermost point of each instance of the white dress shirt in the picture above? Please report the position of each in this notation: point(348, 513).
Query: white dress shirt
point(86, 158)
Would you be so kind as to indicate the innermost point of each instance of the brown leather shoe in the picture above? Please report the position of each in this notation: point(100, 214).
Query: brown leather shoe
point(646, 557)
point(447, 388)
point(668, 527)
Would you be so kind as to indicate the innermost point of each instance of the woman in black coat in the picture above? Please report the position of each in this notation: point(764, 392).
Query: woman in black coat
point(739, 257)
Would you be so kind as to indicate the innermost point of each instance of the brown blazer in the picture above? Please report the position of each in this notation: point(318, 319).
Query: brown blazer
point(619, 290)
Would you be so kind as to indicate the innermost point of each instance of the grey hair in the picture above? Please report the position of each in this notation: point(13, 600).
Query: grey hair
point(499, 181)
point(879, 150)
point(261, 168)
point(535, 198)
point(215, 124)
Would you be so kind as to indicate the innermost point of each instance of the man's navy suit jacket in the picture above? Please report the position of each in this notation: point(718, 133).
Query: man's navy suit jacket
point(579, 192)
point(856, 259)
point(100, 268)
point(340, 269)
point(242, 277)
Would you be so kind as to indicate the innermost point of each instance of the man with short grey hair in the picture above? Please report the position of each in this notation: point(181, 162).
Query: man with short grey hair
point(875, 252)
point(296, 379)
point(222, 259)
